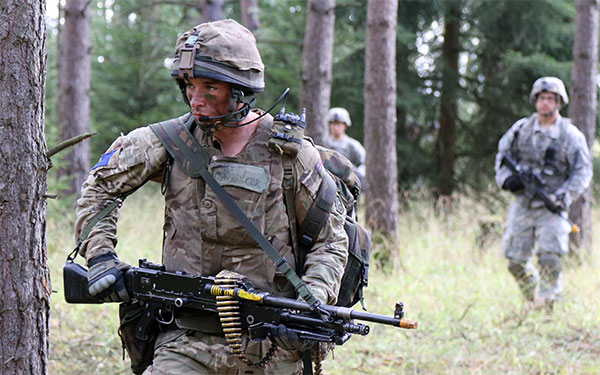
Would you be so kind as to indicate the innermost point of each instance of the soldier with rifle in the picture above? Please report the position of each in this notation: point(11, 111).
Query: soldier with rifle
point(219, 70)
point(545, 162)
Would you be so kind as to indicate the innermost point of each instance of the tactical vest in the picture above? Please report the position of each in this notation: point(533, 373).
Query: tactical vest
point(549, 159)
point(200, 234)
point(265, 168)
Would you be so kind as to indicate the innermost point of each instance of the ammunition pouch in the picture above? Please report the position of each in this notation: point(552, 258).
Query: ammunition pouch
point(139, 349)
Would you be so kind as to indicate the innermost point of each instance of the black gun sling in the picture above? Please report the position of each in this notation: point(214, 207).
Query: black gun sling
point(193, 160)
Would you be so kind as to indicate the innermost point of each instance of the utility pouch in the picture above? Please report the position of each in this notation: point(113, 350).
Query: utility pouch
point(287, 133)
point(356, 273)
point(140, 350)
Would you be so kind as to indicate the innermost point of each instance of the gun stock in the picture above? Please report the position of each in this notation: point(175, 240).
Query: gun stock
point(76, 284)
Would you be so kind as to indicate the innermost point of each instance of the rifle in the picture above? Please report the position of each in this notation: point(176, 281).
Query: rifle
point(166, 294)
point(534, 186)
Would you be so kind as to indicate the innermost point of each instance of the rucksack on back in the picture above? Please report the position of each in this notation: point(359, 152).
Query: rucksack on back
point(286, 137)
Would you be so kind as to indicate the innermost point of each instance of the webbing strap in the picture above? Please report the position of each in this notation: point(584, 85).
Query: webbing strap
point(316, 217)
point(193, 159)
point(289, 199)
point(95, 220)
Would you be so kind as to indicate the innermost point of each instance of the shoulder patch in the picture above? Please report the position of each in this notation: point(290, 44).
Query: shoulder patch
point(319, 167)
point(104, 159)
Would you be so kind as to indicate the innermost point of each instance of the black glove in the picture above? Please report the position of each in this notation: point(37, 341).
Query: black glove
point(559, 201)
point(513, 183)
point(288, 339)
point(105, 278)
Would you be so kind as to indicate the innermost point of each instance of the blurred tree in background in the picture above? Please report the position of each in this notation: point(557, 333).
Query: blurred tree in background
point(503, 46)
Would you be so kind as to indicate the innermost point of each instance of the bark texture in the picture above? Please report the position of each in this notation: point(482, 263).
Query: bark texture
point(446, 142)
point(25, 284)
point(380, 117)
point(583, 101)
point(73, 104)
point(211, 10)
point(250, 14)
point(317, 57)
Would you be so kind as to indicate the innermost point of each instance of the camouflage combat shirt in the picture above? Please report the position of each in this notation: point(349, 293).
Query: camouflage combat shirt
point(201, 236)
point(567, 168)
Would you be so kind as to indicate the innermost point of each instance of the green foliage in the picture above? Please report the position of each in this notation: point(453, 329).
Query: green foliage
point(131, 86)
point(280, 40)
point(505, 46)
point(508, 52)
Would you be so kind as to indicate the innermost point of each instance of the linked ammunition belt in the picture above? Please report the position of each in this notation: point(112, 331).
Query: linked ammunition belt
point(229, 315)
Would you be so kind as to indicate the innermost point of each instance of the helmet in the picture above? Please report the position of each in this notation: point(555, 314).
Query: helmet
point(549, 84)
point(338, 114)
point(222, 50)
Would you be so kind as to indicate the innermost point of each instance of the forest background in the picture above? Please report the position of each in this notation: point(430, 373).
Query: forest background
point(447, 268)
point(503, 46)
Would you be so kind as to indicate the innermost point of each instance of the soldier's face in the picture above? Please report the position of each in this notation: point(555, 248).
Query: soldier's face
point(337, 129)
point(207, 97)
point(546, 103)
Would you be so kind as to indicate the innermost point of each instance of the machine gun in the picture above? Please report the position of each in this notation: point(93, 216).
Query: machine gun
point(534, 186)
point(165, 295)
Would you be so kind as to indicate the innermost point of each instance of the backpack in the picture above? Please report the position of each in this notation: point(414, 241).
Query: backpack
point(286, 138)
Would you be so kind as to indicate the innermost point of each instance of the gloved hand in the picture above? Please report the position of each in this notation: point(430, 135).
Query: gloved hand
point(288, 339)
point(513, 183)
point(562, 200)
point(105, 278)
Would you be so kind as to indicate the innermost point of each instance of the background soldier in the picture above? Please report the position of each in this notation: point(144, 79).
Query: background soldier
point(218, 69)
point(339, 121)
point(551, 146)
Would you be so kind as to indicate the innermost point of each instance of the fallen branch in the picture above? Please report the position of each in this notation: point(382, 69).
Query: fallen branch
point(68, 143)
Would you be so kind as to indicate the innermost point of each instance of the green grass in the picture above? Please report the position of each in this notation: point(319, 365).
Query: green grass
point(467, 305)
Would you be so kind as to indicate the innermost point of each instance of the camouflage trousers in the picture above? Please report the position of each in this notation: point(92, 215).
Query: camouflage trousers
point(536, 231)
point(196, 353)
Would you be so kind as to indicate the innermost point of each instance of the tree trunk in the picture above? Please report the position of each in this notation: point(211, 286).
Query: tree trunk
point(211, 10)
point(250, 14)
point(317, 57)
point(582, 107)
point(73, 104)
point(25, 280)
point(446, 142)
point(380, 117)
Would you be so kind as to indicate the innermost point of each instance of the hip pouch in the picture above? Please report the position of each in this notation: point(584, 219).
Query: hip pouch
point(139, 349)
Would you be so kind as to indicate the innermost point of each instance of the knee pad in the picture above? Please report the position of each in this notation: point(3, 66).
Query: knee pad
point(517, 269)
point(550, 264)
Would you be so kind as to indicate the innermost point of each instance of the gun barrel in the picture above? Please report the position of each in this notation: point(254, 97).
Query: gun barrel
point(375, 318)
point(292, 304)
point(340, 312)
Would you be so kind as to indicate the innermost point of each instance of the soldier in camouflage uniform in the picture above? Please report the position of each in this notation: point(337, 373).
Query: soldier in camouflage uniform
point(552, 146)
point(218, 68)
point(339, 120)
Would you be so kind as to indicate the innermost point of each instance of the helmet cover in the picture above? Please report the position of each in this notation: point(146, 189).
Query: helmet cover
point(338, 114)
point(221, 50)
point(549, 84)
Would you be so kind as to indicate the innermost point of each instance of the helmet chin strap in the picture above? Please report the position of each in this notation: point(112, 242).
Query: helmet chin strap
point(233, 118)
